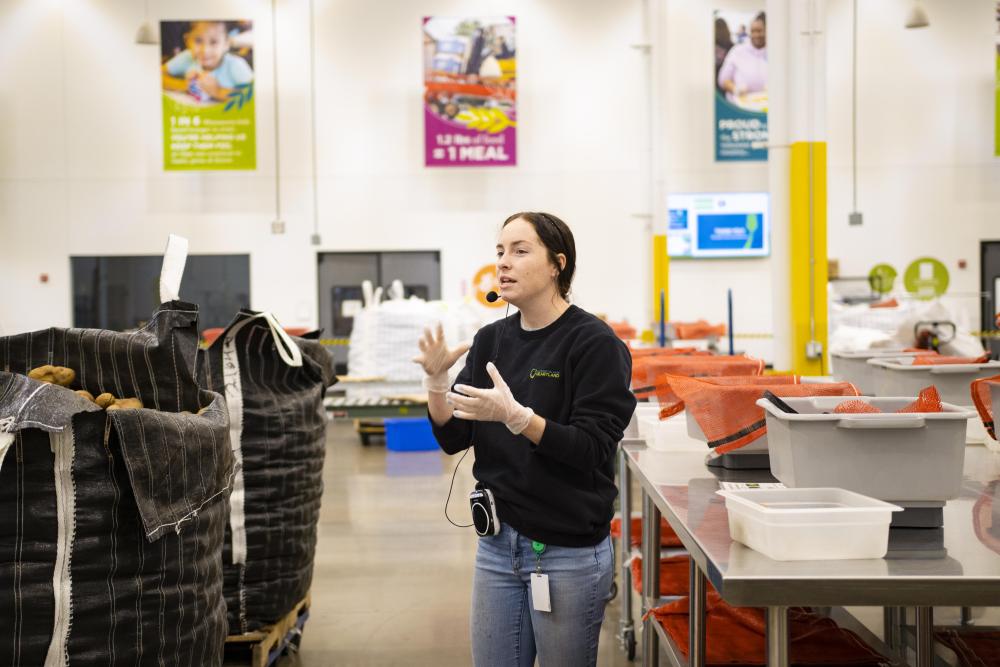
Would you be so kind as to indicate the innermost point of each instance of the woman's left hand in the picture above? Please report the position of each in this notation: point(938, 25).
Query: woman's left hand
point(490, 405)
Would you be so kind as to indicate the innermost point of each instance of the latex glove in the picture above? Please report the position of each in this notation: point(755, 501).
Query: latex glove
point(436, 358)
point(490, 405)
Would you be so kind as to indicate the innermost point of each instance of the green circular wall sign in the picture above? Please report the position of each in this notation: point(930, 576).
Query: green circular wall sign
point(881, 278)
point(926, 278)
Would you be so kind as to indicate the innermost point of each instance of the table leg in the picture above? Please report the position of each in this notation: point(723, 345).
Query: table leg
point(777, 637)
point(925, 636)
point(650, 579)
point(966, 616)
point(626, 627)
point(890, 627)
point(696, 616)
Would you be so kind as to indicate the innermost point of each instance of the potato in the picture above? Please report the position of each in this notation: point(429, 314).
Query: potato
point(128, 403)
point(105, 400)
point(59, 375)
point(64, 377)
point(113, 406)
point(83, 393)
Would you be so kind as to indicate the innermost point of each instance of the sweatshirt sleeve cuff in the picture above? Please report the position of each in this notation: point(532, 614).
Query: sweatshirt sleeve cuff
point(453, 436)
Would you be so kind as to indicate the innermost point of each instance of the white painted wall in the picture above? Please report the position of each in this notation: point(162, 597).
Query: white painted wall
point(698, 287)
point(928, 183)
point(80, 148)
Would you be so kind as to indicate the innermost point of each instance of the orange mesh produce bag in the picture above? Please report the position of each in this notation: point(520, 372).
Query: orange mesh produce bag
point(888, 303)
point(675, 573)
point(984, 402)
point(641, 358)
point(941, 360)
point(729, 416)
point(668, 538)
point(708, 366)
point(623, 330)
point(929, 400)
point(736, 635)
point(699, 329)
point(671, 403)
point(643, 352)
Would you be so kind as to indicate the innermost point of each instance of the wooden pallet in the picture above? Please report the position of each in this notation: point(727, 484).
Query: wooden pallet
point(266, 645)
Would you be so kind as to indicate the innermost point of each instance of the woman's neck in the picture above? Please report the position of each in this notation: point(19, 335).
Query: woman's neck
point(541, 312)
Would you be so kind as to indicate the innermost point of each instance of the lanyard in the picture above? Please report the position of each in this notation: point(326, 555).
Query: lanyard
point(539, 549)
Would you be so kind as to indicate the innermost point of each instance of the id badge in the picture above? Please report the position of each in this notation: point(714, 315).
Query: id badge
point(540, 592)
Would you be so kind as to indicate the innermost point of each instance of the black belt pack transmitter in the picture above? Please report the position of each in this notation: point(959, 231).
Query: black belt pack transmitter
point(484, 511)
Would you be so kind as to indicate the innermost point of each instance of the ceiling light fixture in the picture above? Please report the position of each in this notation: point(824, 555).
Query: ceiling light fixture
point(146, 34)
point(917, 18)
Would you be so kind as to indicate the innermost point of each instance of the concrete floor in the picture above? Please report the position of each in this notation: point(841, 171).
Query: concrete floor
point(393, 579)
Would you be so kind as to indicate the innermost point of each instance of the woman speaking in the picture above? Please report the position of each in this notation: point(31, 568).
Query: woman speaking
point(543, 399)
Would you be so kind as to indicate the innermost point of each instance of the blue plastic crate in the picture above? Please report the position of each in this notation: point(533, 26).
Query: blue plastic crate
point(409, 434)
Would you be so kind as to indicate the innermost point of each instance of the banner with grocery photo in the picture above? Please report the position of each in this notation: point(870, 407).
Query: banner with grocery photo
point(207, 81)
point(740, 85)
point(470, 92)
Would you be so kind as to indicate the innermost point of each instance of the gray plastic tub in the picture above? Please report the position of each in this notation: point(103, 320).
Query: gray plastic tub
point(894, 457)
point(853, 366)
point(897, 376)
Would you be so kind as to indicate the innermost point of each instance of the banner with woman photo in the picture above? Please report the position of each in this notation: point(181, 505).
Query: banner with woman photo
point(207, 78)
point(740, 85)
point(470, 92)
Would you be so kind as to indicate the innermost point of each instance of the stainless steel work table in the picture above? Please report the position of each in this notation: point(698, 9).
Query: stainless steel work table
point(952, 566)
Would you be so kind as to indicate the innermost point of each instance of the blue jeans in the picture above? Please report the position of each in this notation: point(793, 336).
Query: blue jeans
point(507, 631)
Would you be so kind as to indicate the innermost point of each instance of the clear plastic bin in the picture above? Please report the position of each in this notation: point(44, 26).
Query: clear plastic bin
point(809, 524)
point(896, 457)
point(668, 435)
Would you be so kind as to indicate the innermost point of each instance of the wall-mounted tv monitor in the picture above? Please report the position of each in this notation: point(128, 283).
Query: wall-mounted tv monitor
point(719, 224)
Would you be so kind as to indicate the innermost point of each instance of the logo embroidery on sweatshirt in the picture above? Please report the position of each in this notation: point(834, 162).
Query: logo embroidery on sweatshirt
point(542, 373)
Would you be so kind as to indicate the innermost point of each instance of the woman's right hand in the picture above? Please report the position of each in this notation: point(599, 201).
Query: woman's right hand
point(436, 358)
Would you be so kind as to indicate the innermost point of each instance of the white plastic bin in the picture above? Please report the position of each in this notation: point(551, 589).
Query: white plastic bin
point(895, 457)
point(853, 366)
point(809, 524)
point(667, 435)
point(641, 410)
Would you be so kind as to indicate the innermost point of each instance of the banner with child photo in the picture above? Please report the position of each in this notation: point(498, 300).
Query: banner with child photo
point(206, 69)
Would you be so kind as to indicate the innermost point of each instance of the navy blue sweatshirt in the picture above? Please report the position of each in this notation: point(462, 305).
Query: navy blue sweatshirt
point(574, 373)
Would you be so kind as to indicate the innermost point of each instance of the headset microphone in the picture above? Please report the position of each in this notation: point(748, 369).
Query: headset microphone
point(492, 296)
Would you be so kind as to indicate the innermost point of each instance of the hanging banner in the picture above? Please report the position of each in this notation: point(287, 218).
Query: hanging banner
point(996, 108)
point(206, 69)
point(470, 92)
point(740, 85)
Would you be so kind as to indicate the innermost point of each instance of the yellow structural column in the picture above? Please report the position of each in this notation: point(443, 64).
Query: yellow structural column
point(661, 280)
point(808, 258)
